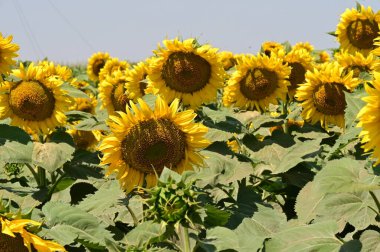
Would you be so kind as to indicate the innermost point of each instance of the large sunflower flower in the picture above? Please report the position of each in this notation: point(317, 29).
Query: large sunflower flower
point(257, 82)
point(62, 72)
point(36, 101)
point(95, 63)
point(7, 53)
point(113, 92)
point(15, 237)
point(187, 71)
point(357, 30)
point(300, 61)
point(322, 95)
point(136, 80)
point(143, 142)
point(112, 65)
point(370, 119)
point(358, 62)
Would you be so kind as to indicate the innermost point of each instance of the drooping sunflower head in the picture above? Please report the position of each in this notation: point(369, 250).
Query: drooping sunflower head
point(62, 72)
point(8, 52)
point(357, 30)
point(136, 80)
point(144, 141)
point(95, 63)
point(369, 119)
point(14, 236)
point(357, 62)
point(257, 82)
point(111, 66)
point(300, 61)
point(187, 71)
point(113, 92)
point(269, 47)
point(303, 45)
point(36, 101)
point(322, 96)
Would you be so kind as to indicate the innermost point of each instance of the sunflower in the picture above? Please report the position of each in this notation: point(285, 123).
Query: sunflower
point(357, 30)
point(257, 82)
point(300, 61)
point(303, 45)
point(36, 101)
point(323, 57)
point(85, 140)
point(228, 59)
point(87, 105)
point(187, 71)
point(112, 65)
point(15, 237)
point(113, 92)
point(270, 46)
point(7, 53)
point(95, 63)
point(136, 80)
point(143, 142)
point(369, 118)
point(62, 72)
point(322, 95)
point(357, 62)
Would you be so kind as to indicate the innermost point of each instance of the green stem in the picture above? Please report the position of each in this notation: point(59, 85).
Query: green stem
point(185, 239)
point(285, 112)
point(35, 175)
point(135, 220)
point(51, 191)
point(376, 201)
point(42, 177)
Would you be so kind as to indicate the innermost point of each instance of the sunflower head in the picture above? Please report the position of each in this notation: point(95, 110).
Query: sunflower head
point(8, 52)
point(145, 141)
point(95, 63)
point(303, 45)
point(257, 82)
point(85, 140)
point(136, 82)
point(87, 105)
point(35, 101)
point(357, 30)
point(357, 62)
point(269, 47)
point(322, 96)
point(228, 59)
point(61, 72)
point(111, 66)
point(187, 71)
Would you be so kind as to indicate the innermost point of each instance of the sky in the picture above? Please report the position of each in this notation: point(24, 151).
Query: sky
point(70, 31)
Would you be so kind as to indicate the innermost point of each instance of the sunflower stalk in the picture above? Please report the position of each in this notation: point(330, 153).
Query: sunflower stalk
point(41, 177)
point(35, 175)
point(376, 201)
point(285, 113)
point(185, 240)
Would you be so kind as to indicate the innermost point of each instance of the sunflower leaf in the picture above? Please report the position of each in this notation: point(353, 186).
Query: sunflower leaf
point(370, 240)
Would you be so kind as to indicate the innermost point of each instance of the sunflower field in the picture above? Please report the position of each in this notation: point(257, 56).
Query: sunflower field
point(195, 149)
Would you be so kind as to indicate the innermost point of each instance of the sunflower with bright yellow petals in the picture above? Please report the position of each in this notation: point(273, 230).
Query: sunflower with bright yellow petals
point(269, 47)
point(358, 62)
point(95, 63)
point(369, 119)
point(323, 57)
point(186, 70)
point(144, 141)
point(304, 45)
point(85, 140)
point(300, 61)
point(228, 59)
point(112, 65)
point(62, 72)
point(36, 101)
point(322, 96)
point(15, 237)
point(113, 92)
point(257, 82)
point(136, 80)
point(7, 54)
point(357, 30)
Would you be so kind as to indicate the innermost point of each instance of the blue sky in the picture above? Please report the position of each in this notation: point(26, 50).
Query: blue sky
point(70, 31)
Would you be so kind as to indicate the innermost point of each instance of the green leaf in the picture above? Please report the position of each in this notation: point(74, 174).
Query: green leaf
point(69, 224)
point(215, 216)
point(354, 105)
point(52, 156)
point(308, 200)
point(263, 224)
point(315, 237)
point(145, 233)
point(73, 92)
point(16, 145)
point(219, 239)
point(370, 240)
point(346, 175)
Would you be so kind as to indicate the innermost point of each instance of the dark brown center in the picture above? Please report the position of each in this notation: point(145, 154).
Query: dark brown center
point(98, 65)
point(258, 84)
point(329, 99)
point(361, 33)
point(186, 72)
point(31, 101)
point(12, 244)
point(119, 98)
point(154, 144)
point(297, 75)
